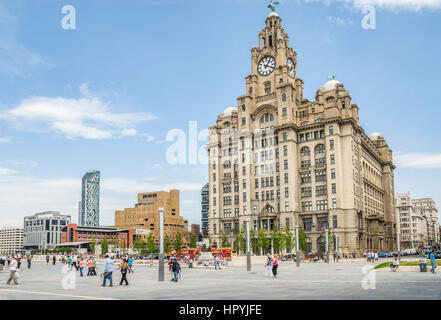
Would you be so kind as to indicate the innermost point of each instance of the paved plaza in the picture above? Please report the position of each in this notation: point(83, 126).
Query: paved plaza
point(311, 281)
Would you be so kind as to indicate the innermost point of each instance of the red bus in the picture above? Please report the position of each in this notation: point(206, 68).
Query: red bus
point(226, 253)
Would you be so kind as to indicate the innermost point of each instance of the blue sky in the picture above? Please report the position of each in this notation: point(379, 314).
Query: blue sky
point(104, 96)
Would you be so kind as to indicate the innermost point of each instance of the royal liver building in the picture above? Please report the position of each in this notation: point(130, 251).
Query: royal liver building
point(89, 212)
point(278, 159)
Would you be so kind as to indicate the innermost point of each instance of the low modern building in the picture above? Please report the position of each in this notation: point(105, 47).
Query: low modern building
point(43, 230)
point(145, 215)
point(11, 240)
point(205, 203)
point(73, 233)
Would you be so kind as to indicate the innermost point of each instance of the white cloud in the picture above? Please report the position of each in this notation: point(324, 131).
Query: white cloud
point(340, 22)
point(6, 171)
point(419, 160)
point(394, 5)
point(5, 139)
point(16, 59)
point(129, 186)
point(87, 117)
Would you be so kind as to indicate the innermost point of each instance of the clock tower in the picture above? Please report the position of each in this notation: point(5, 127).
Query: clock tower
point(273, 81)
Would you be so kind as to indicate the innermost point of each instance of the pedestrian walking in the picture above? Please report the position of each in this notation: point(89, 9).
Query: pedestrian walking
point(176, 268)
point(47, 260)
point(268, 265)
point(89, 267)
point(433, 261)
point(376, 256)
point(74, 262)
point(217, 262)
point(275, 265)
point(29, 260)
point(54, 259)
point(124, 266)
point(93, 267)
point(130, 264)
point(81, 266)
point(13, 268)
point(108, 270)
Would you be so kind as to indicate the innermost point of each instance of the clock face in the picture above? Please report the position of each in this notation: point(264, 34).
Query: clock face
point(266, 65)
point(291, 68)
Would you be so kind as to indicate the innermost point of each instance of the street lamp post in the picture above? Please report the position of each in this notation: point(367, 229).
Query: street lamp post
point(161, 245)
point(398, 246)
point(336, 248)
point(327, 246)
point(297, 247)
point(247, 229)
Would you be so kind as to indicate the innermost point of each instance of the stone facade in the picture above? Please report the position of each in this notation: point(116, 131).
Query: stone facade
point(278, 159)
point(145, 215)
point(427, 208)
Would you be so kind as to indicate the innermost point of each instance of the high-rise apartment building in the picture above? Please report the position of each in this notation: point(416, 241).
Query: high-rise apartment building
point(411, 223)
point(279, 159)
point(43, 230)
point(11, 240)
point(205, 201)
point(145, 215)
point(89, 213)
point(427, 208)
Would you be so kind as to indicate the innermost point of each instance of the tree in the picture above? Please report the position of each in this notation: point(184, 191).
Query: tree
point(139, 244)
point(288, 239)
point(123, 244)
point(104, 245)
point(92, 245)
point(330, 239)
point(241, 241)
point(277, 239)
point(225, 243)
point(167, 243)
point(193, 240)
point(151, 247)
point(114, 242)
point(178, 242)
point(262, 241)
point(253, 240)
point(302, 240)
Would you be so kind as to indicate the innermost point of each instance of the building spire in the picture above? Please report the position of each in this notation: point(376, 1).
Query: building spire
point(273, 6)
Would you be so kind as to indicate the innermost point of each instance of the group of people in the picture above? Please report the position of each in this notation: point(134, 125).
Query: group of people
point(371, 256)
point(271, 265)
point(125, 266)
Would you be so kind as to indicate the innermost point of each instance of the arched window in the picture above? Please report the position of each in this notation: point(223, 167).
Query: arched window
point(267, 117)
point(269, 209)
point(320, 148)
point(226, 124)
point(330, 99)
point(305, 151)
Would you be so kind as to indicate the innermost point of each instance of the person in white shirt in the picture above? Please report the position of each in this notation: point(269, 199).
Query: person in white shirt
point(13, 266)
point(395, 264)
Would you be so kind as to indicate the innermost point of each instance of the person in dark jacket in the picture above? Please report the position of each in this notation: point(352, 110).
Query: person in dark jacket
point(176, 268)
point(124, 266)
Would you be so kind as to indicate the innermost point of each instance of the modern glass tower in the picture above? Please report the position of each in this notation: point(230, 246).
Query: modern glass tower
point(89, 213)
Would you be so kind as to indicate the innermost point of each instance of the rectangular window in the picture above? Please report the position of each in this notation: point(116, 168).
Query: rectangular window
point(334, 203)
point(244, 196)
point(286, 178)
point(284, 111)
point(334, 188)
point(331, 144)
point(286, 192)
point(285, 136)
point(285, 150)
point(332, 173)
point(285, 164)
point(307, 224)
point(332, 159)
point(243, 120)
point(331, 130)
point(286, 206)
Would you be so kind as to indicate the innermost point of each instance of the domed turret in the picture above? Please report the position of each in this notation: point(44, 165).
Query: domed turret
point(330, 86)
point(229, 111)
point(375, 136)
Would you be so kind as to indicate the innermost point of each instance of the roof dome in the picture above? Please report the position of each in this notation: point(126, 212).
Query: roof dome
point(330, 85)
point(375, 136)
point(229, 111)
point(273, 14)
